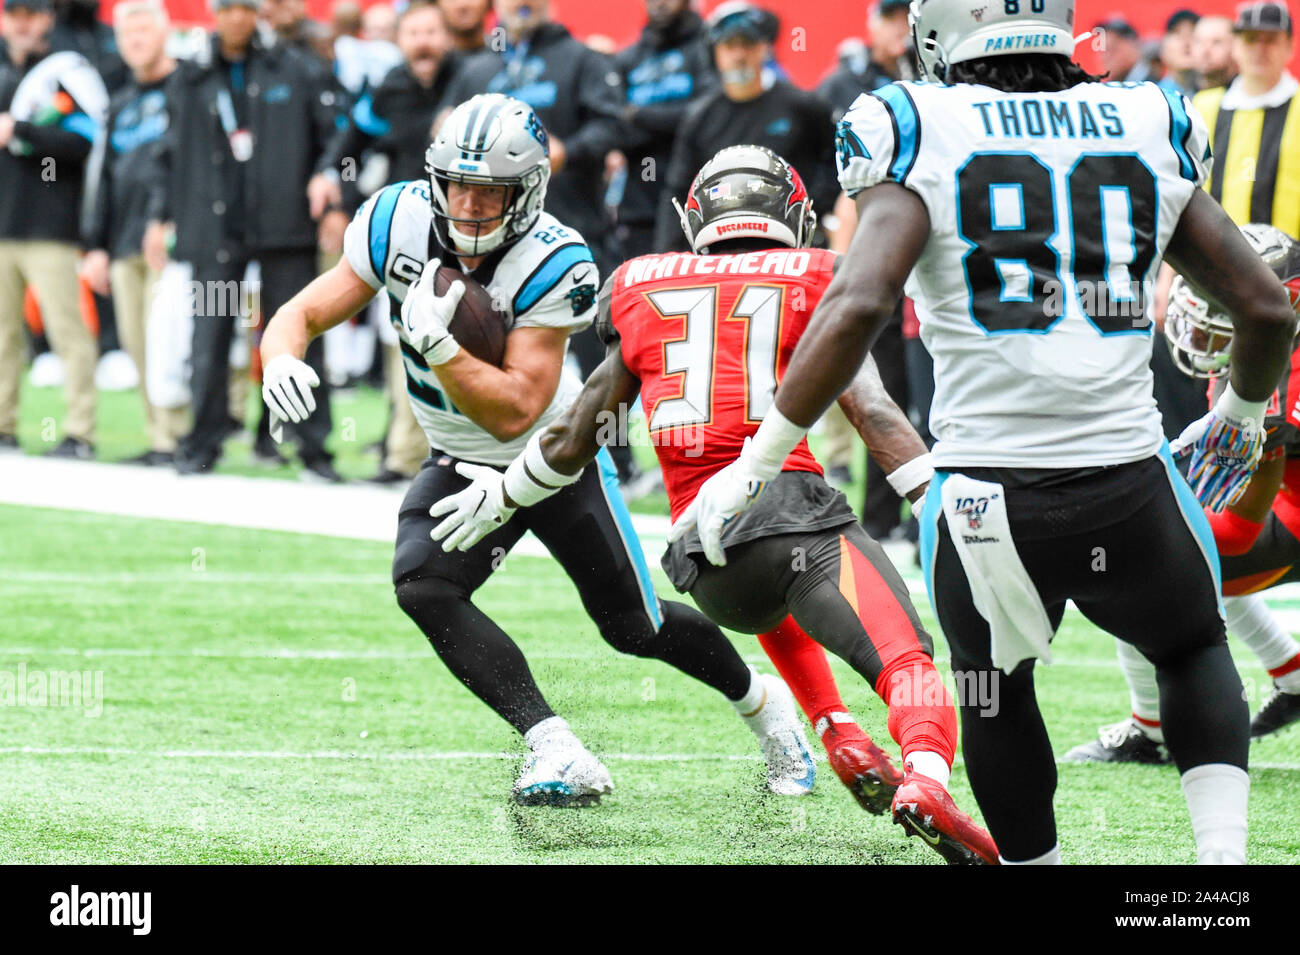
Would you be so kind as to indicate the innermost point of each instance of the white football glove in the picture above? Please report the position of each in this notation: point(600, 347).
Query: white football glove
point(426, 315)
point(723, 496)
point(1225, 447)
point(475, 512)
point(286, 388)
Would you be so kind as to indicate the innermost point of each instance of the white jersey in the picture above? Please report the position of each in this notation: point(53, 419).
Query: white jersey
point(545, 280)
point(1050, 214)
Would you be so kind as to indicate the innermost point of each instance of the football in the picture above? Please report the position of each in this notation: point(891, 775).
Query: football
point(478, 325)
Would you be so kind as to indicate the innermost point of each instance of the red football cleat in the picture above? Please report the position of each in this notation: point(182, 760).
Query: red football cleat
point(924, 808)
point(866, 770)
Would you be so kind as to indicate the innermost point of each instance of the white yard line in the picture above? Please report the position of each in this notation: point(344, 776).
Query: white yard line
point(353, 511)
point(418, 756)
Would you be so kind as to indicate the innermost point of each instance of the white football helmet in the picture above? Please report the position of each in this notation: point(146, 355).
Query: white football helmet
point(489, 140)
point(946, 32)
point(1199, 336)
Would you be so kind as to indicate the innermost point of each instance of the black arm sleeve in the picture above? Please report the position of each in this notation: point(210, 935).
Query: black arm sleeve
point(57, 143)
point(605, 329)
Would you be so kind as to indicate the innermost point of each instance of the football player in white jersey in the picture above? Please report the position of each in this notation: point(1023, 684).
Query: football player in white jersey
point(481, 213)
point(1031, 205)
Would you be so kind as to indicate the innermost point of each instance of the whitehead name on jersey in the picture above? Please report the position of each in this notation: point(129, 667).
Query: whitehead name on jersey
point(545, 280)
point(1050, 214)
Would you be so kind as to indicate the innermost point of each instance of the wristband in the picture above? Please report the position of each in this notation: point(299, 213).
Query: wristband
point(444, 351)
point(776, 437)
point(908, 477)
point(1232, 405)
point(529, 479)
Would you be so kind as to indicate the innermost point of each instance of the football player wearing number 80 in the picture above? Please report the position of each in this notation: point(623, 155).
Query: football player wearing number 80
point(1031, 205)
point(481, 212)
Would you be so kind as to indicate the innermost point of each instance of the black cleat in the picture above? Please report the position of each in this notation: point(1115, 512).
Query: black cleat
point(151, 459)
point(201, 464)
point(1124, 742)
point(319, 471)
point(74, 448)
point(388, 476)
point(1280, 710)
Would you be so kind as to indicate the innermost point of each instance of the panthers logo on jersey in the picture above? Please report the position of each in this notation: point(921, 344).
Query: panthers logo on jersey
point(582, 298)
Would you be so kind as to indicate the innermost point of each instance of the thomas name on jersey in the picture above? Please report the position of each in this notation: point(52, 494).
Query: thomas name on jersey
point(650, 268)
point(1039, 117)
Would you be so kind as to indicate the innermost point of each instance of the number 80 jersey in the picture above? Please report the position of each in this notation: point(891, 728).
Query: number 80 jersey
point(1050, 214)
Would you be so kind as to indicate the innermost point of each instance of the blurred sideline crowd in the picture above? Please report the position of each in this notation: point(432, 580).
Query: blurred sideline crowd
point(166, 191)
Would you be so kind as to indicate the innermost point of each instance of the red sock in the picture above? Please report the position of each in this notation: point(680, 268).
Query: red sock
point(921, 713)
point(802, 663)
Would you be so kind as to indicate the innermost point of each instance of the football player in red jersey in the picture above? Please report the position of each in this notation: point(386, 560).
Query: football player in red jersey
point(704, 339)
point(1258, 537)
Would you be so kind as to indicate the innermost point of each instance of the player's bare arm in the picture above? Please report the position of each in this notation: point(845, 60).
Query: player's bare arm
point(1255, 503)
point(893, 228)
point(882, 425)
point(507, 401)
point(1210, 250)
point(571, 443)
point(331, 299)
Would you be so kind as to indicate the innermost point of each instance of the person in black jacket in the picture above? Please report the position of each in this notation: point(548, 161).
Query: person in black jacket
point(667, 69)
point(395, 120)
point(905, 365)
point(750, 107)
point(868, 68)
point(251, 130)
point(120, 178)
point(50, 107)
point(77, 27)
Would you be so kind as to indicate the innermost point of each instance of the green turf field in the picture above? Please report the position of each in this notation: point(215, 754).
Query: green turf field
point(264, 700)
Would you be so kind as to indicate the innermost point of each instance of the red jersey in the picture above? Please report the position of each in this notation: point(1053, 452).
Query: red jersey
point(710, 337)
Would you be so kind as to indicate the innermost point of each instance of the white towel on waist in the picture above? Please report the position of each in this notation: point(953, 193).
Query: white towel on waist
point(1004, 595)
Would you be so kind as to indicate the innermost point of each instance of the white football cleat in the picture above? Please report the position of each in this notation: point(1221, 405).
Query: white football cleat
point(790, 769)
point(562, 774)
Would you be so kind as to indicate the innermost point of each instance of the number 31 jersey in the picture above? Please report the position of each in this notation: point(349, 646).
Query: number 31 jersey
point(1050, 214)
point(710, 337)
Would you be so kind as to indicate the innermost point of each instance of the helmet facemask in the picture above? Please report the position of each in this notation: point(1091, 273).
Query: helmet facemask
point(467, 236)
point(1199, 338)
point(747, 192)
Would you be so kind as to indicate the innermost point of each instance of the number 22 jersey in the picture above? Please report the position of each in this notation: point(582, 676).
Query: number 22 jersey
point(1050, 214)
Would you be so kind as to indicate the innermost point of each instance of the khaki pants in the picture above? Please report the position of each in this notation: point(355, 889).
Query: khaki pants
point(50, 268)
point(407, 445)
point(133, 288)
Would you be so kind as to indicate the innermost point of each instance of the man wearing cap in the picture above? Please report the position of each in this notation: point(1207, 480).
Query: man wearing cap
point(752, 106)
point(50, 108)
point(1255, 123)
point(1121, 51)
point(1177, 53)
point(247, 177)
point(885, 60)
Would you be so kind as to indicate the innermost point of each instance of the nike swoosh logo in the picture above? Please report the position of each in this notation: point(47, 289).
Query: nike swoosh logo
point(933, 841)
point(579, 278)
